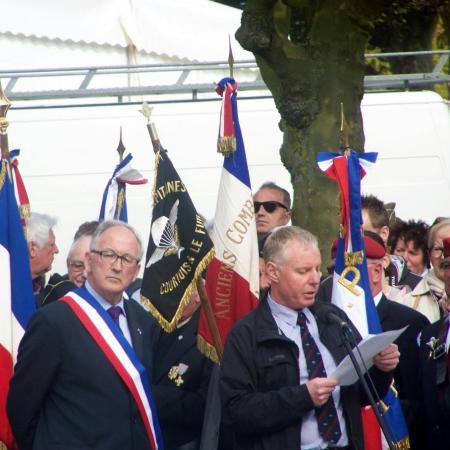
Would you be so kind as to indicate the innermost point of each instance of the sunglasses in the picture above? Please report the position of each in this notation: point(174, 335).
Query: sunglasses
point(269, 206)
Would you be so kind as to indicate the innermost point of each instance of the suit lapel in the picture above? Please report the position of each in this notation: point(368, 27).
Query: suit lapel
point(382, 310)
point(136, 332)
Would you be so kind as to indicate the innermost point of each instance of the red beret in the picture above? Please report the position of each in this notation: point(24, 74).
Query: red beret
point(446, 244)
point(374, 245)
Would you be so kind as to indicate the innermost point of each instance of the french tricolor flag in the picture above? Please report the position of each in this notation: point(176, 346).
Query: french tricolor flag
point(232, 279)
point(351, 286)
point(16, 291)
point(114, 204)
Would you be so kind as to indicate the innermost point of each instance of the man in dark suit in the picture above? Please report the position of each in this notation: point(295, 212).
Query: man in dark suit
point(66, 393)
point(394, 316)
point(276, 387)
point(434, 359)
point(180, 379)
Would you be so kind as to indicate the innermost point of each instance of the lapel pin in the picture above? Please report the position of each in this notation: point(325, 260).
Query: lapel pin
point(139, 331)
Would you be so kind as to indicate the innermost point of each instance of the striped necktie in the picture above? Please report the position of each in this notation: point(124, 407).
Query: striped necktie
point(326, 415)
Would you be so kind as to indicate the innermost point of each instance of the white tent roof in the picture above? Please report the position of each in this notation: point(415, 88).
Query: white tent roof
point(194, 30)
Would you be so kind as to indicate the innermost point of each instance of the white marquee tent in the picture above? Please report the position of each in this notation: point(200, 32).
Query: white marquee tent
point(68, 154)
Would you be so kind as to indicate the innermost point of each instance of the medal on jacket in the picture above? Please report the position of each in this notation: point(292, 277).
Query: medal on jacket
point(437, 348)
point(176, 373)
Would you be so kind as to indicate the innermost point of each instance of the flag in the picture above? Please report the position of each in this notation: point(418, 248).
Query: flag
point(16, 291)
point(114, 205)
point(179, 248)
point(232, 278)
point(351, 288)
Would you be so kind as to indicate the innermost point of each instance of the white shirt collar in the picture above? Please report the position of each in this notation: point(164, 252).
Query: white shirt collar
point(105, 304)
point(377, 298)
point(285, 314)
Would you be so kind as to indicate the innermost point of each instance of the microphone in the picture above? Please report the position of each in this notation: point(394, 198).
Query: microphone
point(334, 319)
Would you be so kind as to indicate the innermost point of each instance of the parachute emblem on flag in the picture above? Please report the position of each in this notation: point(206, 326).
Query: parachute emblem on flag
point(165, 236)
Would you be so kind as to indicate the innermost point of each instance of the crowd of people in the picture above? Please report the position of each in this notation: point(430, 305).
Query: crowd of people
point(275, 388)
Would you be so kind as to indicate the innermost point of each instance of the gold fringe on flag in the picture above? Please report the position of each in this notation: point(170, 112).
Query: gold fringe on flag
point(172, 325)
point(207, 349)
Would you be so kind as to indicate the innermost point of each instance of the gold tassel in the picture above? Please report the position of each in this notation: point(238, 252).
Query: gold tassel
point(403, 444)
point(2, 175)
point(226, 145)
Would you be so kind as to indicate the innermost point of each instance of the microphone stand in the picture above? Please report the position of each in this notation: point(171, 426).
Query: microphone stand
point(348, 347)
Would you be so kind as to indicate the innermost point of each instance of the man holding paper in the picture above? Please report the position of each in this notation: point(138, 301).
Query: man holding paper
point(274, 385)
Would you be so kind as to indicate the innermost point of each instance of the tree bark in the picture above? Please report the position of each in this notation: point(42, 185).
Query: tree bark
point(311, 56)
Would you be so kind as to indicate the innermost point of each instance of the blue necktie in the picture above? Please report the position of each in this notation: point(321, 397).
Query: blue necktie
point(326, 415)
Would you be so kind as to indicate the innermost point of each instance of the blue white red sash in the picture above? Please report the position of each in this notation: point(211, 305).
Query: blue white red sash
point(120, 354)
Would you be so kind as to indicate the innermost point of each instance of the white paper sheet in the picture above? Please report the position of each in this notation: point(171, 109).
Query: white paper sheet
point(368, 347)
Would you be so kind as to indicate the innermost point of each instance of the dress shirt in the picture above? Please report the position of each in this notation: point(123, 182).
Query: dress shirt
point(377, 298)
point(105, 304)
point(286, 320)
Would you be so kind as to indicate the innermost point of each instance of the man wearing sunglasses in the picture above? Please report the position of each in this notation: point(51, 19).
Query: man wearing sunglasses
point(272, 208)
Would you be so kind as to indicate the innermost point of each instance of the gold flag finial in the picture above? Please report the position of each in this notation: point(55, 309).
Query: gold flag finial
point(120, 148)
point(344, 131)
point(230, 57)
point(4, 106)
point(147, 111)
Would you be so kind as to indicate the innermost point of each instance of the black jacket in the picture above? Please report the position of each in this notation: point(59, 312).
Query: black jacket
point(180, 399)
point(435, 386)
point(262, 399)
point(407, 375)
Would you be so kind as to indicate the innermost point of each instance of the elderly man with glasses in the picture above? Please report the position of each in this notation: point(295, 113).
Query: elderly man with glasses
point(87, 358)
point(434, 353)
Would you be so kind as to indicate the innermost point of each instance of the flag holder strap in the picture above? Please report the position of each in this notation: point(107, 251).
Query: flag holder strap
point(346, 333)
point(212, 324)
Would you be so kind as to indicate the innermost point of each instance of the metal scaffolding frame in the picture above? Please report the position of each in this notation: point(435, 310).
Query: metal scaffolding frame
point(181, 89)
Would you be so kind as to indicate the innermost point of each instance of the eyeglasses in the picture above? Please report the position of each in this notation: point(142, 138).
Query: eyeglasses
point(110, 257)
point(437, 251)
point(77, 265)
point(445, 265)
point(269, 206)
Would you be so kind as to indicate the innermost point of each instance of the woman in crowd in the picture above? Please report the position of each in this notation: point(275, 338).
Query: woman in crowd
point(409, 240)
point(429, 297)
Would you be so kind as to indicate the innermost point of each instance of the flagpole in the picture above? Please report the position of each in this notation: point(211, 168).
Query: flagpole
point(4, 106)
point(213, 328)
point(147, 112)
point(206, 304)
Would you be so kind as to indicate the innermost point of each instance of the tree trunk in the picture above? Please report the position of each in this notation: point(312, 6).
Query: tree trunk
point(311, 56)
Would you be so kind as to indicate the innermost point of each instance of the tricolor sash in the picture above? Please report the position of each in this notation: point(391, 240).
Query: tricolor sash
point(120, 354)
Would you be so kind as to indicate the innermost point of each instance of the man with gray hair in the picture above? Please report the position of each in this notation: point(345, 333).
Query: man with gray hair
point(87, 357)
point(275, 388)
point(41, 248)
